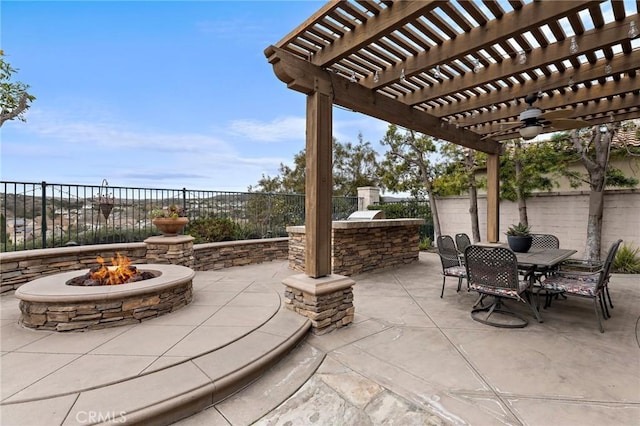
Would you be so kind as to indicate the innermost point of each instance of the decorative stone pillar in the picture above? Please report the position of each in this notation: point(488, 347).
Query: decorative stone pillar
point(326, 301)
point(368, 196)
point(176, 250)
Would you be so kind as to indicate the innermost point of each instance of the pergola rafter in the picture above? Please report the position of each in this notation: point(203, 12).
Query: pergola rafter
point(459, 71)
point(379, 42)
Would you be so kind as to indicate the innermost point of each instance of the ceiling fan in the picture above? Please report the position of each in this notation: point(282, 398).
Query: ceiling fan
point(532, 120)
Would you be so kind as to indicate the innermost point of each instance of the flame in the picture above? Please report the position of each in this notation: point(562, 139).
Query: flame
point(118, 273)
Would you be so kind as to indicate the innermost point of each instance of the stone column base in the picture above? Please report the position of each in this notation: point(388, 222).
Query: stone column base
point(326, 301)
point(176, 250)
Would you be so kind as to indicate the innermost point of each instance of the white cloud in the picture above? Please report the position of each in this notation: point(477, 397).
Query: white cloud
point(372, 129)
point(280, 129)
point(117, 136)
point(89, 149)
point(294, 128)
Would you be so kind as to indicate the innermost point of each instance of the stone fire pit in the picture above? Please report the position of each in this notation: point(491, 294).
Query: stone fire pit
point(48, 303)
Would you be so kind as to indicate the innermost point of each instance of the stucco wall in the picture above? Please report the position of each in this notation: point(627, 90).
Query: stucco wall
point(563, 214)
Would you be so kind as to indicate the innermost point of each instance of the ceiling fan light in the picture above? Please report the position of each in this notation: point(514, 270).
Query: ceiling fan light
point(530, 132)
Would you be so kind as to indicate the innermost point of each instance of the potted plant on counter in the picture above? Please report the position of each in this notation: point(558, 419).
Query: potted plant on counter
point(169, 220)
point(519, 238)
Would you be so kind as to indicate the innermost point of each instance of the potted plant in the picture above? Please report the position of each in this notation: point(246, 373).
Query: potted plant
point(169, 220)
point(519, 238)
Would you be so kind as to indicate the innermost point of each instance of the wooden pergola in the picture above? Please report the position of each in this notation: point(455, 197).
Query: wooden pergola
point(457, 71)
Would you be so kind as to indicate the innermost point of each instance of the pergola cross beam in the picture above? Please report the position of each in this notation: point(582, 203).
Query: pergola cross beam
point(303, 77)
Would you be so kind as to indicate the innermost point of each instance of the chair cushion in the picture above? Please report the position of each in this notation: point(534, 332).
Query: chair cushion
point(504, 292)
point(583, 285)
point(456, 271)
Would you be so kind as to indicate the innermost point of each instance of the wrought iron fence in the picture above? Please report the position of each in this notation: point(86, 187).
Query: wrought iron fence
point(409, 208)
point(45, 215)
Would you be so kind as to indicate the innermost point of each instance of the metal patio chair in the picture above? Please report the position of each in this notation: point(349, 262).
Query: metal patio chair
point(450, 260)
point(493, 272)
point(545, 241)
point(462, 242)
point(573, 281)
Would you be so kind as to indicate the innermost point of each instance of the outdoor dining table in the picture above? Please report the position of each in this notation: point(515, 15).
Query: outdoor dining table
point(543, 257)
point(538, 259)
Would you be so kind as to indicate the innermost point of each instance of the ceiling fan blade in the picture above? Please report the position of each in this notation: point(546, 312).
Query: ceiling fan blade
point(556, 113)
point(506, 127)
point(509, 126)
point(568, 123)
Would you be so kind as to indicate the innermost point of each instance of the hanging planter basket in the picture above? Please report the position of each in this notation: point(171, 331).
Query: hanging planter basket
point(106, 208)
point(105, 200)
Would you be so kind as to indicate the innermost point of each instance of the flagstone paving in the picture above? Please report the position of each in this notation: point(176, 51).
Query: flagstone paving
point(410, 357)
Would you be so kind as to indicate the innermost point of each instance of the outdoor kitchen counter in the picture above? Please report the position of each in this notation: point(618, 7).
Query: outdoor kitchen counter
point(363, 245)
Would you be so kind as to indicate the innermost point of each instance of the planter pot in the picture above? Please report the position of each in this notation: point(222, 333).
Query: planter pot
point(170, 227)
point(519, 244)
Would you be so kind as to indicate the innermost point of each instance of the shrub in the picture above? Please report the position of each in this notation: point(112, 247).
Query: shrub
point(425, 243)
point(391, 211)
point(407, 209)
point(627, 260)
point(247, 232)
point(211, 230)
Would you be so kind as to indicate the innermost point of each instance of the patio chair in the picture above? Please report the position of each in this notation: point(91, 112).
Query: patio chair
point(572, 279)
point(493, 272)
point(462, 242)
point(450, 260)
point(545, 241)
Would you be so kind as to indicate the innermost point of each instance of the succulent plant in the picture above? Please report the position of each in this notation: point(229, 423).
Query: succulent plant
point(172, 212)
point(519, 230)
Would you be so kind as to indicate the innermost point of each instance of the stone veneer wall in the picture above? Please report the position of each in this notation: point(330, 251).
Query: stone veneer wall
point(327, 312)
point(176, 250)
point(78, 316)
point(17, 268)
point(327, 301)
point(362, 245)
point(211, 256)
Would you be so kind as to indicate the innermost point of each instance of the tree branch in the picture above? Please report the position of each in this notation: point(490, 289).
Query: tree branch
point(19, 109)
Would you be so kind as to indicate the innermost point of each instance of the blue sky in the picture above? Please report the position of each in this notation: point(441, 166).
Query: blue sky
point(156, 93)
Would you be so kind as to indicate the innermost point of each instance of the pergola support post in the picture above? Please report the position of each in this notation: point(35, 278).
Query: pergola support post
point(493, 197)
point(319, 182)
point(326, 299)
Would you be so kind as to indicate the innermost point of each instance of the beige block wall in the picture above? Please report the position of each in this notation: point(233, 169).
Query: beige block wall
point(562, 214)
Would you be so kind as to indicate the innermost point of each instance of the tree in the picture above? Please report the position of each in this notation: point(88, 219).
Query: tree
point(524, 168)
point(354, 165)
point(409, 166)
point(593, 148)
point(459, 176)
point(14, 98)
point(267, 184)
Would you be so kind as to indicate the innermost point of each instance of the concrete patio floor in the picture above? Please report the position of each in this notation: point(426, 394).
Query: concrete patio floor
point(409, 357)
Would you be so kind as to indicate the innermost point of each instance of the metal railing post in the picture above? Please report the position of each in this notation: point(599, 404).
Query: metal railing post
point(43, 228)
point(184, 200)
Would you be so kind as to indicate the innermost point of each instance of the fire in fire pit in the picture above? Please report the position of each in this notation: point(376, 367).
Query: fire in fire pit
point(120, 272)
